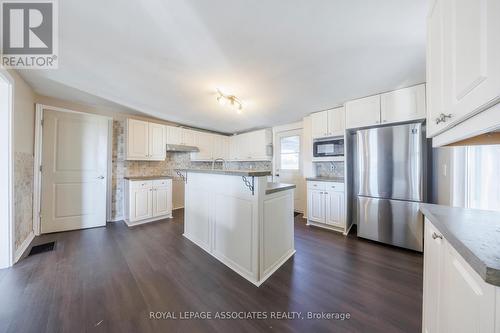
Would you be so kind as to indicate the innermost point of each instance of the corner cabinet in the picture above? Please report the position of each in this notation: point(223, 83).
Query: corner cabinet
point(145, 141)
point(456, 298)
point(147, 200)
point(463, 68)
point(326, 205)
point(328, 123)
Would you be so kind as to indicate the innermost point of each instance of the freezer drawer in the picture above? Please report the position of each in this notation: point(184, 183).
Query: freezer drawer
point(394, 222)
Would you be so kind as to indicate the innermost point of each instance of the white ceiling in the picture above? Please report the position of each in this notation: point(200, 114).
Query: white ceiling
point(284, 59)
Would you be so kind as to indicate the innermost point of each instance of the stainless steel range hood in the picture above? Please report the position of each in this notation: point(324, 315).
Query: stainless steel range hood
point(182, 149)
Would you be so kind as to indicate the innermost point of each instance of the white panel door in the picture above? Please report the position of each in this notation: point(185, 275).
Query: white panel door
point(141, 203)
point(433, 267)
point(316, 206)
point(363, 112)
point(137, 139)
point(289, 166)
point(319, 122)
point(157, 142)
point(162, 201)
point(74, 162)
point(174, 135)
point(474, 54)
point(336, 121)
point(403, 104)
point(334, 208)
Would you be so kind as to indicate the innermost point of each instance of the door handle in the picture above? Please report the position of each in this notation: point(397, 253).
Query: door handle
point(100, 177)
point(435, 235)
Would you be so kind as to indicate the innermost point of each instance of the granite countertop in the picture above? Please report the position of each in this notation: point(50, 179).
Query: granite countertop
point(475, 234)
point(277, 187)
point(147, 177)
point(326, 179)
point(247, 173)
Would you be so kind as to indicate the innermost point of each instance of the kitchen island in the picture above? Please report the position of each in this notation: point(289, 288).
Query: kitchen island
point(240, 219)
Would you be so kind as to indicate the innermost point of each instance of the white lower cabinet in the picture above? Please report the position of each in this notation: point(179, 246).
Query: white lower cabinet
point(326, 205)
point(147, 200)
point(456, 299)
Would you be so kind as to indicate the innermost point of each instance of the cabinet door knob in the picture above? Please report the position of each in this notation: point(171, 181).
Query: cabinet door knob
point(100, 177)
point(434, 236)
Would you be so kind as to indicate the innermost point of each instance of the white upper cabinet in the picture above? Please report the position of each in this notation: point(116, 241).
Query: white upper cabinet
point(221, 147)
point(434, 70)
point(363, 112)
point(403, 104)
point(328, 123)
point(336, 121)
point(174, 135)
point(319, 124)
point(145, 141)
point(137, 139)
point(258, 143)
point(463, 64)
point(251, 146)
point(189, 137)
point(205, 143)
point(157, 142)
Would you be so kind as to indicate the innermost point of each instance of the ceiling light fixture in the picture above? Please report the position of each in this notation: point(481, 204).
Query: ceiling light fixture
point(230, 100)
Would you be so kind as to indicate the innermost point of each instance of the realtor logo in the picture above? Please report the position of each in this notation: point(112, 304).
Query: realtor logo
point(29, 34)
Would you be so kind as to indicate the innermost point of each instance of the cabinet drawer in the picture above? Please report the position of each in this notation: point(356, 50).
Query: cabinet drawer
point(316, 185)
point(162, 182)
point(141, 184)
point(336, 187)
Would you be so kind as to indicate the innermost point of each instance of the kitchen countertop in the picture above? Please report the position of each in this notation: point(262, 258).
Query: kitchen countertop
point(246, 173)
point(475, 234)
point(277, 187)
point(147, 177)
point(326, 179)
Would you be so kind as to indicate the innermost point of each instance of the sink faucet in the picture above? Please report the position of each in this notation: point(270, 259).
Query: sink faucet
point(219, 160)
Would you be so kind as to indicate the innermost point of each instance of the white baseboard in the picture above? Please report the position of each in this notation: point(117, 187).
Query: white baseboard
point(20, 251)
point(116, 219)
point(153, 219)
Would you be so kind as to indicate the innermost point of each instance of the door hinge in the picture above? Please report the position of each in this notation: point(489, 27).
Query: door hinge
point(40, 168)
point(41, 122)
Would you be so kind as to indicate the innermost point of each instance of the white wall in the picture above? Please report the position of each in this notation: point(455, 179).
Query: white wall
point(23, 146)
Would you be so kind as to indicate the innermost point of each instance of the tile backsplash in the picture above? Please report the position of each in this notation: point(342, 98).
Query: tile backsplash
point(122, 168)
point(329, 169)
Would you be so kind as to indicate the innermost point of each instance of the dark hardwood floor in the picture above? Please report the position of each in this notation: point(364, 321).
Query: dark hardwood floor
point(110, 279)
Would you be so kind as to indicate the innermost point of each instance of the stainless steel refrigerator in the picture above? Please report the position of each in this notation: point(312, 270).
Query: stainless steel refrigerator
point(389, 184)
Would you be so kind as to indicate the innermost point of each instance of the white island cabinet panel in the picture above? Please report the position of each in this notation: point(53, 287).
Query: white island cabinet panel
point(278, 237)
point(245, 228)
point(231, 241)
point(198, 228)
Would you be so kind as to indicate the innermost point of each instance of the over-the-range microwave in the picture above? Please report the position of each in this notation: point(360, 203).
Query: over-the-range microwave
point(328, 148)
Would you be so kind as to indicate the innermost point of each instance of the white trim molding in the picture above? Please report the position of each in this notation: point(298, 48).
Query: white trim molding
point(7, 225)
point(24, 246)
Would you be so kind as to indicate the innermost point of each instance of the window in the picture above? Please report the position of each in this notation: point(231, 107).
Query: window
point(483, 177)
point(290, 153)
